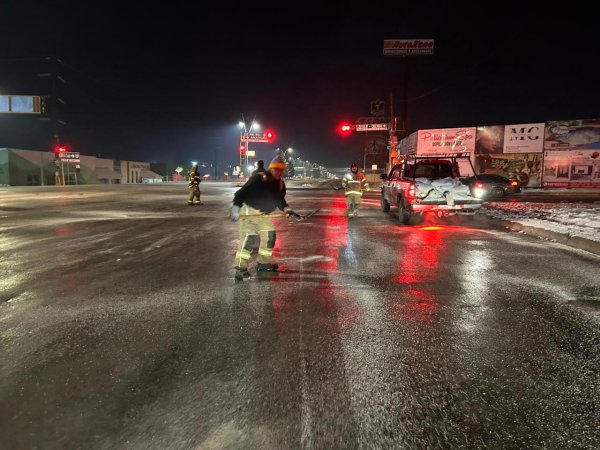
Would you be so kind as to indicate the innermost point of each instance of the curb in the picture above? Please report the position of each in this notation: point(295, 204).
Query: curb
point(577, 242)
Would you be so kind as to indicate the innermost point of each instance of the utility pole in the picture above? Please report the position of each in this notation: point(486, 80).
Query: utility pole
point(55, 100)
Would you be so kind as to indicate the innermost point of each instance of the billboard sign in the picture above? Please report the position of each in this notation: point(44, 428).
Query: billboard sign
point(446, 140)
point(408, 47)
point(572, 134)
point(20, 104)
point(524, 138)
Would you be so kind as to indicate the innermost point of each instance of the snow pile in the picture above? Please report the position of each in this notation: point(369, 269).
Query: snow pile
point(575, 219)
point(442, 189)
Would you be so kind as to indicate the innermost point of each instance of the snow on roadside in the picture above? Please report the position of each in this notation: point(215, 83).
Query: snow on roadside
point(575, 219)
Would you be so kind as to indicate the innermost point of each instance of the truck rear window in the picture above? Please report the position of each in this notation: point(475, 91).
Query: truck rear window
point(428, 170)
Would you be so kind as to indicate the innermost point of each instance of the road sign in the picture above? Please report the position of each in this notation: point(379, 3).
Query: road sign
point(70, 157)
point(363, 120)
point(372, 127)
point(254, 137)
point(378, 108)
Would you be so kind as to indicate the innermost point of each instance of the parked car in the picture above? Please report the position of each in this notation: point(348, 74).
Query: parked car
point(488, 186)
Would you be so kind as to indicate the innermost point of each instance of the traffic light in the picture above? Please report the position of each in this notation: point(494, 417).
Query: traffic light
point(242, 150)
point(60, 149)
point(344, 128)
point(270, 136)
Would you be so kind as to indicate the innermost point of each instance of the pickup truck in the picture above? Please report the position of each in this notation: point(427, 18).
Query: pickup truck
point(428, 184)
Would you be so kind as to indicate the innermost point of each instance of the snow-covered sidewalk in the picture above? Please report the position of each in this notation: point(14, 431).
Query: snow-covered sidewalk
point(580, 220)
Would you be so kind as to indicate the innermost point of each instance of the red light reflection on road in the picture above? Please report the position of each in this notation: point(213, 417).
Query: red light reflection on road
point(419, 255)
point(64, 231)
point(419, 262)
point(417, 305)
point(335, 235)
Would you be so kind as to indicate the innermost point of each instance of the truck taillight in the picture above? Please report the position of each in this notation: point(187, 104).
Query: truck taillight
point(514, 183)
point(479, 185)
point(411, 190)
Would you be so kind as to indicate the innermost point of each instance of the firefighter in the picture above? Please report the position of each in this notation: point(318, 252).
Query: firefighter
point(260, 167)
point(354, 183)
point(194, 185)
point(252, 203)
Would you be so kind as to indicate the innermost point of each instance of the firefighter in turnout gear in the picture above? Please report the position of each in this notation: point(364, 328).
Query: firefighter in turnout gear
point(261, 195)
point(354, 183)
point(194, 185)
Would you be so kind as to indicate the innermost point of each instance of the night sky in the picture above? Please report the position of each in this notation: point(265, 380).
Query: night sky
point(169, 81)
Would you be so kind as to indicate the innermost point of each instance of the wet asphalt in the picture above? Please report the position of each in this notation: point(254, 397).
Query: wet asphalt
point(121, 326)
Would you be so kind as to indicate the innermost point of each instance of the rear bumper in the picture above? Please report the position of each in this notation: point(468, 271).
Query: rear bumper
point(446, 208)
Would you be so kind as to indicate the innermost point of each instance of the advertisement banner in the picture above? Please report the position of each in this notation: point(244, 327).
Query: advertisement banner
point(527, 168)
point(489, 140)
point(408, 145)
point(572, 134)
point(524, 138)
point(446, 140)
point(572, 169)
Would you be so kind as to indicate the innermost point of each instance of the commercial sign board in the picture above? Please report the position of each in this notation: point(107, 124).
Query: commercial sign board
point(20, 104)
point(524, 138)
point(408, 47)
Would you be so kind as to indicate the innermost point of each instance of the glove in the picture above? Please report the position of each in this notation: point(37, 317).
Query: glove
point(235, 213)
point(291, 213)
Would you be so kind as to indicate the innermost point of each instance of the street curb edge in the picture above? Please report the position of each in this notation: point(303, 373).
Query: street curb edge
point(577, 242)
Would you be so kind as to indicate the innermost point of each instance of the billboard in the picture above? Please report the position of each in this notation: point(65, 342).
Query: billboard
point(572, 154)
point(446, 140)
point(20, 104)
point(404, 47)
point(524, 138)
point(526, 167)
point(572, 169)
point(572, 134)
point(489, 140)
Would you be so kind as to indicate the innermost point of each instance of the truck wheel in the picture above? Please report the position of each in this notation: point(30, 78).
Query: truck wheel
point(385, 205)
point(403, 214)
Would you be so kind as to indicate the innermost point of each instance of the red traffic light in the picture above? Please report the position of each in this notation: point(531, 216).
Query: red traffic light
point(344, 128)
point(270, 136)
point(242, 150)
point(60, 149)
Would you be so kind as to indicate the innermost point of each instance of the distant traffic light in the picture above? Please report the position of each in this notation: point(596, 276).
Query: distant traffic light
point(242, 150)
point(270, 136)
point(344, 128)
point(60, 149)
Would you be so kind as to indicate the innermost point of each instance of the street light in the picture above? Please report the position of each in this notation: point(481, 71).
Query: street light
point(254, 126)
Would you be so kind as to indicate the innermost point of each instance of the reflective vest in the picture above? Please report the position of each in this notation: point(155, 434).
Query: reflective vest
point(354, 183)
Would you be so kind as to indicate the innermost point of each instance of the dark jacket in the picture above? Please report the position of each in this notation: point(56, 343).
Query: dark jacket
point(263, 192)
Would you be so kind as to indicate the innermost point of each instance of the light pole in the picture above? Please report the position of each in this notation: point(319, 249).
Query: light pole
point(254, 126)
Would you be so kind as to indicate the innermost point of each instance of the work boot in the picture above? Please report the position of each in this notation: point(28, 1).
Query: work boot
point(241, 273)
point(190, 203)
point(198, 203)
point(260, 267)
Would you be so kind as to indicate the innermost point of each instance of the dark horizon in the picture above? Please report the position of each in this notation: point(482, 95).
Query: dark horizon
point(170, 83)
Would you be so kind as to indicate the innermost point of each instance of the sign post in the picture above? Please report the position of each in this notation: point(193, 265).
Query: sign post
point(404, 48)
